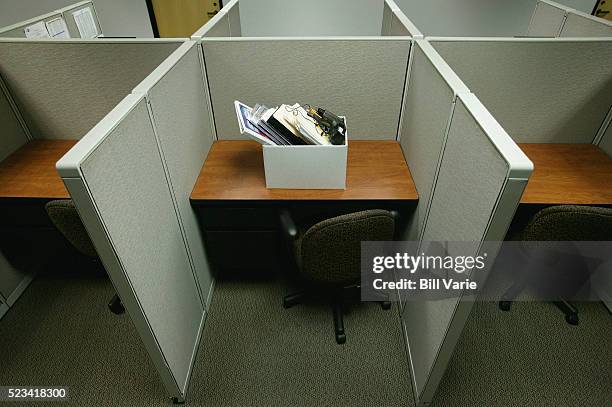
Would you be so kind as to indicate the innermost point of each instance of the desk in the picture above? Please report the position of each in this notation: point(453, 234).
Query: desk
point(236, 210)
point(376, 170)
point(29, 173)
point(568, 174)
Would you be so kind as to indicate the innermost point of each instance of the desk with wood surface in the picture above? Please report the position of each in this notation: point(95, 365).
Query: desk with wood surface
point(237, 212)
point(234, 170)
point(28, 179)
point(568, 174)
point(29, 173)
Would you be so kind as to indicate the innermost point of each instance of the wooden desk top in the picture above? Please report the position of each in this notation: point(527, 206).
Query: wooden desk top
point(568, 174)
point(376, 170)
point(30, 171)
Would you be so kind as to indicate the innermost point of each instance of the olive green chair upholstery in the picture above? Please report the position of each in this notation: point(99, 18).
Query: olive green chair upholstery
point(328, 255)
point(65, 217)
point(562, 223)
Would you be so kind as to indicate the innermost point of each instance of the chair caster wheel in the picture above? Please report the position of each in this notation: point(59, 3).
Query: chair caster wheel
point(115, 306)
point(572, 319)
point(505, 305)
point(386, 305)
point(340, 339)
point(177, 401)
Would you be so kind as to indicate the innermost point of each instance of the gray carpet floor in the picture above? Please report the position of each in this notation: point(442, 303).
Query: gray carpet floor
point(255, 353)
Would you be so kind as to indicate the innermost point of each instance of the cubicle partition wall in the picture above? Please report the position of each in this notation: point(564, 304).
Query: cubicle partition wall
point(552, 19)
point(52, 93)
point(431, 91)
point(79, 20)
point(352, 76)
point(14, 131)
point(82, 20)
point(294, 19)
point(470, 176)
point(395, 22)
point(63, 88)
point(130, 178)
point(540, 90)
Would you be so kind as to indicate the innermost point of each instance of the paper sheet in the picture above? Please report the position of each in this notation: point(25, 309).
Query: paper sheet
point(85, 22)
point(38, 30)
point(57, 28)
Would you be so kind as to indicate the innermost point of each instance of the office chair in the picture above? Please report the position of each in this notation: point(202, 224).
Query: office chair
point(64, 216)
point(562, 223)
point(328, 256)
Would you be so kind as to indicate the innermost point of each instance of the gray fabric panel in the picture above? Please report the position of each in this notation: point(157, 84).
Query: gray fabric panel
point(180, 107)
point(546, 21)
point(233, 17)
point(606, 142)
point(71, 24)
point(127, 181)
point(387, 19)
point(63, 88)
point(427, 109)
point(353, 78)
point(13, 135)
point(579, 26)
point(398, 29)
point(540, 92)
point(471, 177)
point(220, 29)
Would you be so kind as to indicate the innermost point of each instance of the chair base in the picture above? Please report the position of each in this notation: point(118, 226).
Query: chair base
point(116, 306)
point(337, 309)
point(570, 311)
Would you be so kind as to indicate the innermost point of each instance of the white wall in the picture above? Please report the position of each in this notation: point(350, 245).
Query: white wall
point(119, 18)
point(295, 17)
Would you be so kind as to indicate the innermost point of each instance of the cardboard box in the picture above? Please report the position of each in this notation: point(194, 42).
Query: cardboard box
point(306, 167)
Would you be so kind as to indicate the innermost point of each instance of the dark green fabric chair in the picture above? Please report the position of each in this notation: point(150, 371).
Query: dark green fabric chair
point(557, 224)
point(328, 255)
point(65, 217)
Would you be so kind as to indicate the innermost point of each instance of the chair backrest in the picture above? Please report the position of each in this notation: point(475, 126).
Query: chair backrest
point(65, 217)
point(570, 223)
point(330, 251)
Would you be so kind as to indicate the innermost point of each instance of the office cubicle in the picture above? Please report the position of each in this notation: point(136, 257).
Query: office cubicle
point(352, 76)
point(552, 19)
point(140, 137)
point(519, 79)
point(52, 93)
point(341, 18)
point(78, 20)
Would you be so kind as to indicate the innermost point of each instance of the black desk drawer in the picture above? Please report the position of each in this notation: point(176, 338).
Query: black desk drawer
point(212, 218)
point(245, 251)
